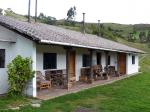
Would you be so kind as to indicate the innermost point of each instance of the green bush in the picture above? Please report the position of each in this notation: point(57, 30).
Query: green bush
point(19, 73)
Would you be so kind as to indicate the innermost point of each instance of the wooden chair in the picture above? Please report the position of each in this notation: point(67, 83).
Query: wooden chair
point(110, 72)
point(42, 83)
point(97, 72)
point(85, 72)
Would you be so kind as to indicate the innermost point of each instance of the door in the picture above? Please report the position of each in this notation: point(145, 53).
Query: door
point(122, 63)
point(71, 64)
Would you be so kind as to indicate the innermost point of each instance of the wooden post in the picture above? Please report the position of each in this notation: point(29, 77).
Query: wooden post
point(67, 65)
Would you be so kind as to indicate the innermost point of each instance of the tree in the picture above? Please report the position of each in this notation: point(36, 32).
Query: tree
point(71, 13)
point(47, 19)
point(148, 37)
point(142, 37)
point(1, 11)
point(41, 16)
point(9, 12)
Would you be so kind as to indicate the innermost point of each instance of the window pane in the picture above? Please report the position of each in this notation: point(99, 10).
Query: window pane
point(50, 61)
point(86, 60)
point(133, 59)
point(108, 60)
point(2, 58)
point(98, 58)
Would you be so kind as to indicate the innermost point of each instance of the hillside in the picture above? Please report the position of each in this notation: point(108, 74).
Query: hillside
point(113, 31)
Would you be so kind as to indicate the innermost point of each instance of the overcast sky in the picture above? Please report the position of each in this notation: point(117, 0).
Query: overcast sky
point(118, 11)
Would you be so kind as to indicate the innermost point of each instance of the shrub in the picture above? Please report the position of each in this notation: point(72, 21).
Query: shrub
point(19, 73)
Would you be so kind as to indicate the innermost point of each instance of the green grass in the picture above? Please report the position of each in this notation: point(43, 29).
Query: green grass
point(128, 95)
point(7, 102)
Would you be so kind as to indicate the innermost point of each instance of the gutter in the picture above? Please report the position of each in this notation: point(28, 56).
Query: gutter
point(1, 40)
point(82, 46)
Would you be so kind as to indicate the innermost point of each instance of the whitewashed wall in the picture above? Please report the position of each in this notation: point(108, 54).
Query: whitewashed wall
point(23, 47)
point(3, 71)
point(113, 60)
point(132, 68)
point(79, 63)
point(61, 56)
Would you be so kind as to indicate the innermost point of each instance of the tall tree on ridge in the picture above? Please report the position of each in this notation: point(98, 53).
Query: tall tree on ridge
point(71, 13)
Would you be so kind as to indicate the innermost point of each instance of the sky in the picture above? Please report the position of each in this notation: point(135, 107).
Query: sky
point(116, 11)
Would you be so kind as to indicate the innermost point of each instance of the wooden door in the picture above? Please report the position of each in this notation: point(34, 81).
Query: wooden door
point(71, 64)
point(122, 63)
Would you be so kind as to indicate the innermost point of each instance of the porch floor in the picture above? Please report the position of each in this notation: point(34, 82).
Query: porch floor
point(46, 94)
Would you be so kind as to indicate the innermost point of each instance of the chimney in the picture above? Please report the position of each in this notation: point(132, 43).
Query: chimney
point(35, 10)
point(83, 23)
point(98, 26)
point(29, 6)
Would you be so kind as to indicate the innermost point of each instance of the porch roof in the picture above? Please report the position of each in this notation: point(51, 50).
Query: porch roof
point(49, 34)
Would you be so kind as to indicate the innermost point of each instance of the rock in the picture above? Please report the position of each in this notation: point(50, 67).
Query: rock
point(15, 108)
point(37, 105)
point(83, 109)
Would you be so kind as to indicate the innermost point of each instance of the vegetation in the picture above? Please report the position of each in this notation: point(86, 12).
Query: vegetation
point(1, 11)
point(132, 33)
point(71, 13)
point(19, 73)
point(9, 12)
point(46, 19)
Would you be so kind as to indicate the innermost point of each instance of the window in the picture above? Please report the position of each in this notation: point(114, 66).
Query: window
point(50, 61)
point(2, 58)
point(86, 60)
point(133, 59)
point(108, 61)
point(98, 58)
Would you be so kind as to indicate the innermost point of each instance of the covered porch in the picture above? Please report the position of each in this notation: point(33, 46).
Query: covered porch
point(73, 69)
point(46, 94)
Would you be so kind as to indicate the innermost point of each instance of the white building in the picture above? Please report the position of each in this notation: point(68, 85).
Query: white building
point(51, 47)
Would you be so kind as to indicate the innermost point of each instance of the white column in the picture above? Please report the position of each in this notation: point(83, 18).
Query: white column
point(34, 90)
point(94, 58)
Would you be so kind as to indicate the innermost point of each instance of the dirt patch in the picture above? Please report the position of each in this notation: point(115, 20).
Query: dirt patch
point(83, 109)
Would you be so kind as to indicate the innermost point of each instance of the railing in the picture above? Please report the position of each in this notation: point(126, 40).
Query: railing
point(98, 72)
point(58, 77)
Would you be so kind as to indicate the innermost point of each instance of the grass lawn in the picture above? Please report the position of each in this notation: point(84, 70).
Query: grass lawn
point(128, 95)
